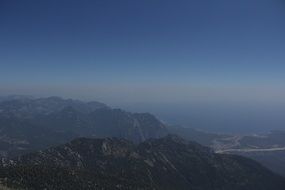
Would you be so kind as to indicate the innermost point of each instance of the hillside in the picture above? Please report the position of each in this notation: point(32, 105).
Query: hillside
point(169, 163)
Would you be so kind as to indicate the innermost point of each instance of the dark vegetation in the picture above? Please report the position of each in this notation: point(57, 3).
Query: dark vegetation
point(164, 164)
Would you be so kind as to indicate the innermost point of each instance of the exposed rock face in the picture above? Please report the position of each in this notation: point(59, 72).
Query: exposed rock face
point(28, 124)
point(169, 163)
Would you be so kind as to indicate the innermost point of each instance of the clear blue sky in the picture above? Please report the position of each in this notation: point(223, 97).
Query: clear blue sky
point(143, 50)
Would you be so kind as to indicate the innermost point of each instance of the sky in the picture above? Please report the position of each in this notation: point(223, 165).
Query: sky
point(144, 51)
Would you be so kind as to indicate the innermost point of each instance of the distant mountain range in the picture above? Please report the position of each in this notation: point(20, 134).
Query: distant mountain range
point(169, 163)
point(28, 124)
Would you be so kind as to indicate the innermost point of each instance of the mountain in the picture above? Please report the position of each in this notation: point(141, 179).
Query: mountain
point(14, 97)
point(28, 124)
point(26, 107)
point(169, 163)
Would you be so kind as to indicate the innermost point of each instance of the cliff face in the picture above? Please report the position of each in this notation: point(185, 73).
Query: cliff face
point(169, 163)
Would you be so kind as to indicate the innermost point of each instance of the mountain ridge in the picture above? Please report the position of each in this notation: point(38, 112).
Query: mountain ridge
point(28, 124)
point(167, 163)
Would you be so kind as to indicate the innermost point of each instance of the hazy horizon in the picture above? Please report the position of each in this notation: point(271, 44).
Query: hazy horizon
point(149, 56)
